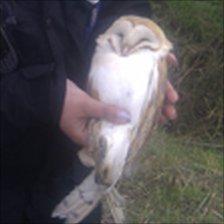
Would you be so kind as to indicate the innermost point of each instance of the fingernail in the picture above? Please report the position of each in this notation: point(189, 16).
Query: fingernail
point(124, 116)
point(175, 97)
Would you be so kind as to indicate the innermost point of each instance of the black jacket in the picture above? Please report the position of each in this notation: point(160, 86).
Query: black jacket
point(48, 38)
point(51, 41)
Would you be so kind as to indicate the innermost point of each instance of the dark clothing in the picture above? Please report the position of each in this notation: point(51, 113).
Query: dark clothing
point(51, 41)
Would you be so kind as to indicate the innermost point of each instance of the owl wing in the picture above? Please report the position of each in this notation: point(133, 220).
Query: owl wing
point(83, 198)
point(150, 113)
point(79, 202)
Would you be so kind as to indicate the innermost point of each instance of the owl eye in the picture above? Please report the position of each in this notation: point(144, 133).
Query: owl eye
point(140, 43)
point(121, 35)
point(145, 40)
point(115, 43)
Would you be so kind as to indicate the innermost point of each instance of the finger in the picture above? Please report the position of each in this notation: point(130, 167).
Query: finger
point(171, 93)
point(115, 115)
point(170, 112)
point(77, 134)
point(172, 60)
point(111, 113)
point(80, 138)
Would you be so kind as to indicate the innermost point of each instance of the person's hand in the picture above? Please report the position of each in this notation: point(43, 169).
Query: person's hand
point(171, 96)
point(79, 107)
point(168, 110)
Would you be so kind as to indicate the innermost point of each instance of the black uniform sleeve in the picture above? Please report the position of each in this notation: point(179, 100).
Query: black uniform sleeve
point(27, 102)
point(31, 94)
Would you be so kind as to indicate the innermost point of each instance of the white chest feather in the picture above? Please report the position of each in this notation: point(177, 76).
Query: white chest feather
point(123, 81)
point(128, 82)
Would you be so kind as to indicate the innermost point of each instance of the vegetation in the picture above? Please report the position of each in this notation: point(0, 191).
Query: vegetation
point(196, 29)
point(176, 183)
point(180, 176)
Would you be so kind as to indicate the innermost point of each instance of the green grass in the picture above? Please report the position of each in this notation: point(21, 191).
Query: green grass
point(201, 19)
point(176, 183)
point(196, 30)
point(180, 176)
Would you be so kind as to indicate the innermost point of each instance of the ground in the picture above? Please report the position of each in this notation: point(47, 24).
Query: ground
point(180, 174)
point(177, 181)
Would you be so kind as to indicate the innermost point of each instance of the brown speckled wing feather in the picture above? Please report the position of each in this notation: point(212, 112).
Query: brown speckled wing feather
point(150, 115)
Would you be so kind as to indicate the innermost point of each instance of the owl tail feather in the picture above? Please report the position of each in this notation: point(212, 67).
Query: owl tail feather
point(116, 204)
point(80, 202)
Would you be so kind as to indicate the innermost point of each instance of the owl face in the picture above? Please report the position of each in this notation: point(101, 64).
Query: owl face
point(131, 34)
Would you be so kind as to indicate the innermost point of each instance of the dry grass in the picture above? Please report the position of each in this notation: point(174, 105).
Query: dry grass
point(180, 177)
point(175, 183)
point(196, 29)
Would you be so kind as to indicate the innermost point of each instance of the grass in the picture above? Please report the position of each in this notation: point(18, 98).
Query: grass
point(180, 174)
point(196, 29)
point(176, 183)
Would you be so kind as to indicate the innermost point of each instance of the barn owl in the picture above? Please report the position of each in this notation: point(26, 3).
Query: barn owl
point(128, 70)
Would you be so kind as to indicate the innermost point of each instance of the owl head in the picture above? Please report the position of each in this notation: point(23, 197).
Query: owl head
point(131, 34)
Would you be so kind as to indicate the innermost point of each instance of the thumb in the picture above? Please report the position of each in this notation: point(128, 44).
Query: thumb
point(111, 113)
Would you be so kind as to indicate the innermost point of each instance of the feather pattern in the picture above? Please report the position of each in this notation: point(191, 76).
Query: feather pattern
point(128, 70)
point(80, 201)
